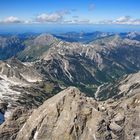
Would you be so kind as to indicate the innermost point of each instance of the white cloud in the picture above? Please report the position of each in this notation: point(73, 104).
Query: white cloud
point(11, 19)
point(122, 20)
point(52, 17)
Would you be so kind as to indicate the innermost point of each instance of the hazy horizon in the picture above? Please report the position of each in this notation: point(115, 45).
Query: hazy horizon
point(63, 28)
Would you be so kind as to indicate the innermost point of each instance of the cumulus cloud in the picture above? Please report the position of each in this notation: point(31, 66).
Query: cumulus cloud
point(52, 17)
point(122, 20)
point(11, 19)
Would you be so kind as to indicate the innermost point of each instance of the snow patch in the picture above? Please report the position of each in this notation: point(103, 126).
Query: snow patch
point(35, 136)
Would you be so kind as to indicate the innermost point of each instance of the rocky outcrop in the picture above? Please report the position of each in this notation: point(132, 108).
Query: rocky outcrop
point(70, 115)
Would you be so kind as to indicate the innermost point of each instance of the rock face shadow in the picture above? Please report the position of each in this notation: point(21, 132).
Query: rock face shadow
point(1, 118)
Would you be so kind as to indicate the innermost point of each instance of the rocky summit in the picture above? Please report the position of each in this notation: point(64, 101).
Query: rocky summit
point(70, 115)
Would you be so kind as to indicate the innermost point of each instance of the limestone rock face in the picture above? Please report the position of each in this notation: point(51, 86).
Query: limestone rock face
point(70, 115)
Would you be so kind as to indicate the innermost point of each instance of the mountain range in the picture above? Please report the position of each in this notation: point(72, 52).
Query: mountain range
point(70, 86)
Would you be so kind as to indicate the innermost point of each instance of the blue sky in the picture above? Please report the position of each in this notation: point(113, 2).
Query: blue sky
point(70, 11)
